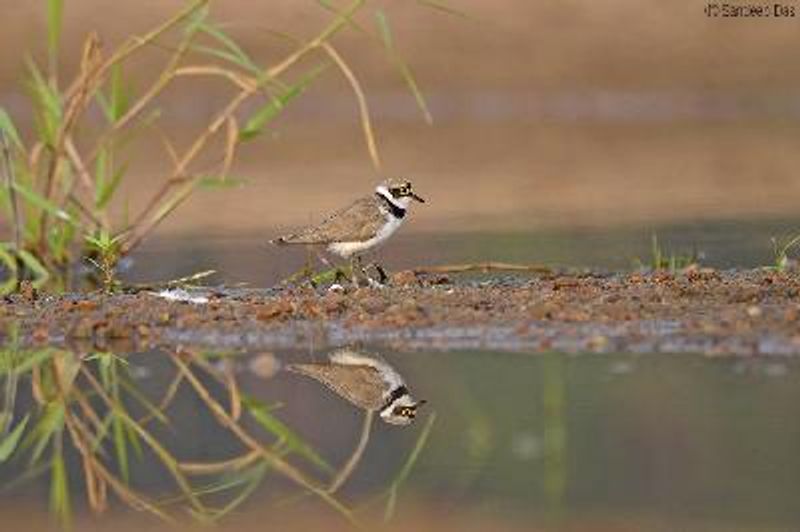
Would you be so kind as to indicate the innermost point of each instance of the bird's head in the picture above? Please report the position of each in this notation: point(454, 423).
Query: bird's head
point(401, 411)
point(400, 192)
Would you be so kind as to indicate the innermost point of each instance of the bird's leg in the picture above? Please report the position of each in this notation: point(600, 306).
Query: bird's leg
point(383, 277)
point(355, 269)
point(340, 276)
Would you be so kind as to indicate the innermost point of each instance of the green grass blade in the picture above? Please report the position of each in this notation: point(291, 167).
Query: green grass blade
point(120, 95)
point(44, 204)
point(60, 239)
point(656, 254)
point(385, 30)
point(411, 81)
point(172, 203)
point(55, 16)
point(101, 433)
point(216, 52)
point(59, 490)
point(405, 71)
point(9, 129)
point(9, 443)
point(151, 408)
point(252, 480)
point(405, 471)
point(291, 440)
point(195, 20)
point(105, 193)
point(30, 360)
point(47, 105)
point(329, 6)
point(255, 125)
point(439, 6)
point(134, 440)
point(226, 482)
point(51, 423)
point(117, 102)
point(237, 55)
point(120, 447)
point(9, 264)
point(102, 169)
point(40, 273)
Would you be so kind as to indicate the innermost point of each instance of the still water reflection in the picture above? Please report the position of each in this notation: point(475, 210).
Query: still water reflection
point(366, 381)
point(598, 442)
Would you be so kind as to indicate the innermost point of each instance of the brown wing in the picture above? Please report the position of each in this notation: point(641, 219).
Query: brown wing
point(360, 385)
point(359, 221)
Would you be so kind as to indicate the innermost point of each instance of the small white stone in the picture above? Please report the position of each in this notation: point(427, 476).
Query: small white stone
point(180, 294)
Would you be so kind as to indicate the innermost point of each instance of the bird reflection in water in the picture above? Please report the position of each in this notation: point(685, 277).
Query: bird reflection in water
point(367, 381)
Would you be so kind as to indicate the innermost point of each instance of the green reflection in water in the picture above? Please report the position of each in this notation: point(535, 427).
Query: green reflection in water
point(554, 434)
point(673, 442)
point(643, 442)
point(86, 419)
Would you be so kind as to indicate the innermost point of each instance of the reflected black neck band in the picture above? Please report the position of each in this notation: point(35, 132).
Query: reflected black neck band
point(395, 394)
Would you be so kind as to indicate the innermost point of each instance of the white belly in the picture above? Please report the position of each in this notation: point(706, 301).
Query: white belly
point(348, 249)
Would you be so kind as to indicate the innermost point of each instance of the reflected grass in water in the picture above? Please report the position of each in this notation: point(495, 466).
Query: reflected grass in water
point(91, 405)
point(594, 442)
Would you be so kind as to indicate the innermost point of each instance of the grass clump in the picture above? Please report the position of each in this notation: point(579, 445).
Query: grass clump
point(61, 183)
point(105, 251)
point(664, 259)
point(91, 421)
point(86, 405)
point(781, 247)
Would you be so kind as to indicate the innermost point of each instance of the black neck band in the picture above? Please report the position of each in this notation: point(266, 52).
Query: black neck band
point(397, 212)
point(396, 394)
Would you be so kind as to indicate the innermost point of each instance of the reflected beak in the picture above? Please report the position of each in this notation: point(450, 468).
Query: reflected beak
point(413, 195)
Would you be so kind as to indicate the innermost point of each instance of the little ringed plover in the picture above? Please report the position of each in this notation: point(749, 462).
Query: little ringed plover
point(362, 226)
point(367, 382)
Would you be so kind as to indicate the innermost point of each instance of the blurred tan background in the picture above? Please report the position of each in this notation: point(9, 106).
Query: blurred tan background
point(547, 113)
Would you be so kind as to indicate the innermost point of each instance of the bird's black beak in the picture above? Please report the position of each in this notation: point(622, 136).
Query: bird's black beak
point(414, 195)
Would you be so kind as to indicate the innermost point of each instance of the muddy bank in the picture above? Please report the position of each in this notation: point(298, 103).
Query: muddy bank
point(713, 312)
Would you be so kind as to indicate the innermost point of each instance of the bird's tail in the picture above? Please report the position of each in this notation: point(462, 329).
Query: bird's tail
point(287, 240)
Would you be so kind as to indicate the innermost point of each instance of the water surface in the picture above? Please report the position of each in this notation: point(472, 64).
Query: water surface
point(250, 259)
point(668, 442)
